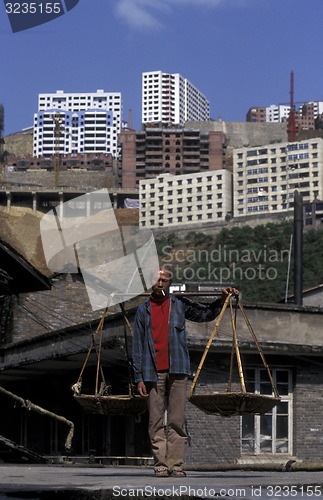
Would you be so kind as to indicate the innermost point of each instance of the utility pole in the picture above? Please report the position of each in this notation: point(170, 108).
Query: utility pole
point(298, 248)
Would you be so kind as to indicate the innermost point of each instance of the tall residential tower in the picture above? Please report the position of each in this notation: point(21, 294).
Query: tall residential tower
point(170, 98)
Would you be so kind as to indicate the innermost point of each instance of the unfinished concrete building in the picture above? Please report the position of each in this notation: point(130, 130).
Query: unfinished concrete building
point(156, 150)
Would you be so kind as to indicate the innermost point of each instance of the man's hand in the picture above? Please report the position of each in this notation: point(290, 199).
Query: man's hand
point(226, 291)
point(141, 389)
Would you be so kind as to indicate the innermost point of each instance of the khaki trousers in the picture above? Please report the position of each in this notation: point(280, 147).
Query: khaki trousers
point(166, 430)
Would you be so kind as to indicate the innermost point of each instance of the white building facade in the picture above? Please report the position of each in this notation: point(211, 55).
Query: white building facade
point(266, 177)
point(173, 200)
point(170, 98)
point(277, 113)
point(70, 123)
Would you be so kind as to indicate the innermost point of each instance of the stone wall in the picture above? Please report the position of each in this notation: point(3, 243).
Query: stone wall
point(243, 134)
point(72, 179)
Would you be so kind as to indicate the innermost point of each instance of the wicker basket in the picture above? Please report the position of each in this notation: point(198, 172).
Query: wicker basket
point(112, 405)
point(234, 403)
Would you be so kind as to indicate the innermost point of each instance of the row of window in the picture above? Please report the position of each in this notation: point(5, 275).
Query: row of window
point(187, 208)
point(188, 218)
point(180, 192)
point(284, 167)
point(179, 182)
point(179, 201)
point(188, 199)
point(281, 150)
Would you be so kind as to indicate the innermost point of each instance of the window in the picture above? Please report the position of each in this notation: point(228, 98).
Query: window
point(272, 432)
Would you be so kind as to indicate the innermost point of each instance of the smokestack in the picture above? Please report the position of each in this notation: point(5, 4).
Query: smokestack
point(130, 119)
point(298, 253)
point(291, 123)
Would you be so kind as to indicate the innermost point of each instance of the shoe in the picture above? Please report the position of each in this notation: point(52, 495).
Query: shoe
point(177, 473)
point(161, 472)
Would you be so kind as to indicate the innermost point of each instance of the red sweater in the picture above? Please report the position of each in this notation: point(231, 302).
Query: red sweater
point(159, 324)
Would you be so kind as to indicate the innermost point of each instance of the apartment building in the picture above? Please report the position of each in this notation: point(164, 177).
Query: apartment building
point(256, 115)
point(170, 201)
point(277, 113)
point(71, 123)
point(153, 151)
point(305, 114)
point(270, 114)
point(266, 177)
point(170, 98)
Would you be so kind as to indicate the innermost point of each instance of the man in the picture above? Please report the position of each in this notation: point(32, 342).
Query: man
point(161, 367)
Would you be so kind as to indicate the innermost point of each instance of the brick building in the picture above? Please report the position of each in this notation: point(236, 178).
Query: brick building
point(44, 354)
point(175, 150)
point(256, 115)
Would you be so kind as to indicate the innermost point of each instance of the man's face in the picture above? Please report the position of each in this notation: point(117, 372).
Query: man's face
point(163, 281)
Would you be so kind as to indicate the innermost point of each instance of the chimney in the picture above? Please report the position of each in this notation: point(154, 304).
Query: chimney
point(298, 248)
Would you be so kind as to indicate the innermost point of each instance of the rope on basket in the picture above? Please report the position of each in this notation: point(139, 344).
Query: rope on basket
point(77, 387)
point(235, 348)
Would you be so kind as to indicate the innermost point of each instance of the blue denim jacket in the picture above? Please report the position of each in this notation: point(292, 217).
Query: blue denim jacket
point(143, 350)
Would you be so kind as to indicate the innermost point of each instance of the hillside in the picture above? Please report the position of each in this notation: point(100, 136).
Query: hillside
point(255, 259)
point(20, 143)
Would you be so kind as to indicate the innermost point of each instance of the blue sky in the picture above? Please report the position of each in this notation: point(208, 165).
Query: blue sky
point(239, 53)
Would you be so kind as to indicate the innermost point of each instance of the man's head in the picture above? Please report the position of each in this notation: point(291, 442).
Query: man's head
point(160, 288)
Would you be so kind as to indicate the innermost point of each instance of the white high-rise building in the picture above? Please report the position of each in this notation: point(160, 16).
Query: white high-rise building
point(70, 123)
point(170, 98)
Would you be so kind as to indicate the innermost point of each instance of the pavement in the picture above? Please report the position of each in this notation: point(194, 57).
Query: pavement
point(65, 482)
